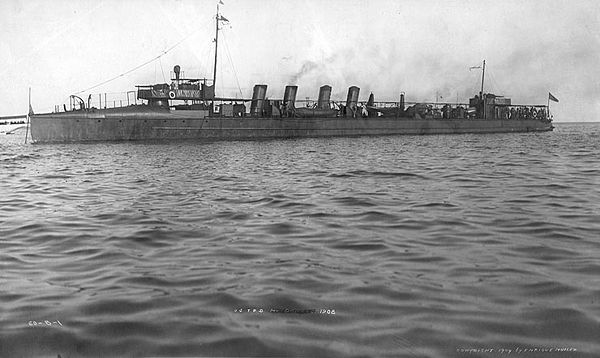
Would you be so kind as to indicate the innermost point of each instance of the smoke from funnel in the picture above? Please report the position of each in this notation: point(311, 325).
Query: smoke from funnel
point(306, 68)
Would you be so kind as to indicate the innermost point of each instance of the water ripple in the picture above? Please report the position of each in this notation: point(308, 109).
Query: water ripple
point(422, 245)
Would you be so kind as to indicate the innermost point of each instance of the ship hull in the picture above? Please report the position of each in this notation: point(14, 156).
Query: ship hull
point(99, 125)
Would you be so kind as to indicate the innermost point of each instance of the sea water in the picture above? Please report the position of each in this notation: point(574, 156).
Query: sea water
point(473, 245)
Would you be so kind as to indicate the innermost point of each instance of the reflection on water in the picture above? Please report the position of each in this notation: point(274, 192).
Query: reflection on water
point(407, 246)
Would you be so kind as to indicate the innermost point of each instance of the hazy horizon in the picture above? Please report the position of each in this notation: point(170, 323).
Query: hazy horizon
point(422, 48)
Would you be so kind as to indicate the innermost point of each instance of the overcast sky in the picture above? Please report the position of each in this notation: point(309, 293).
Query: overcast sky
point(61, 47)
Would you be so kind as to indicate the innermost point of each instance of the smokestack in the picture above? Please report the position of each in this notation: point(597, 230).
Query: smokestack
point(324, 96)
point(402, 101)
point(289, 96)
point(352, 101)
point(258, 100)
point(371, 101)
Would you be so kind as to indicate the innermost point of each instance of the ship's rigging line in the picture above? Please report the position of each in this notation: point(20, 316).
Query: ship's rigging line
point(207, 55)
point(232, 66)
point(495, 85)
point(139, 66)
point(161, 69)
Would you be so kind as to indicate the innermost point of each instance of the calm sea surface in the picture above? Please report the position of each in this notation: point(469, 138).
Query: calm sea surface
point(406, 246)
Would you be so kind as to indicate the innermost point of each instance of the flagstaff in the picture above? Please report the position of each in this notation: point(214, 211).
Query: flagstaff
point(553, 99)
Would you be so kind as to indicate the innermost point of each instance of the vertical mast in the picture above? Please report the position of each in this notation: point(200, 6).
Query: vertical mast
point(482, 96)
point(482, 77)
point(216, 47)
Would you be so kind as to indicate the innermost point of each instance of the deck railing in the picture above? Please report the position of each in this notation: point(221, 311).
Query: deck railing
point(99, 100)
point(276, 108)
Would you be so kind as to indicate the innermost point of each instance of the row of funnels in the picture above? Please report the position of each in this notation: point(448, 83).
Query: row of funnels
point(289, 98)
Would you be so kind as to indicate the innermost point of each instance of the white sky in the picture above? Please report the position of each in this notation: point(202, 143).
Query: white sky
point(421, 47)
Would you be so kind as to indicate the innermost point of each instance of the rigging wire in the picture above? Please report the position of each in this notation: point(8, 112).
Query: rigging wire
point(232, 66)
point(476, 82)
point(204, 67)
point(161, 70)
point(139, 66)
point(495, 83)
point(209, 58)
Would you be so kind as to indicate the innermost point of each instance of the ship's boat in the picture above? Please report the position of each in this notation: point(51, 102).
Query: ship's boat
point(188, 108)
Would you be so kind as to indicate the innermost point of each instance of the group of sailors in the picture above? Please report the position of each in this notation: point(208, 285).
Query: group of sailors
point(524, 112)
point(420, 110)
point(501, 112)
point(463, 112)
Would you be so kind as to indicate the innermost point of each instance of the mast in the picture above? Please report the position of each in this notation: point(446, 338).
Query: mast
point(216, 47)
point(482, 77)
point(482, 96)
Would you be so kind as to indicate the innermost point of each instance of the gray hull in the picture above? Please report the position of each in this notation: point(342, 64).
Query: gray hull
point(100, 125)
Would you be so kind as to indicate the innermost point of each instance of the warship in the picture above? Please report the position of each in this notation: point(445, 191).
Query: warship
point(188, 108)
